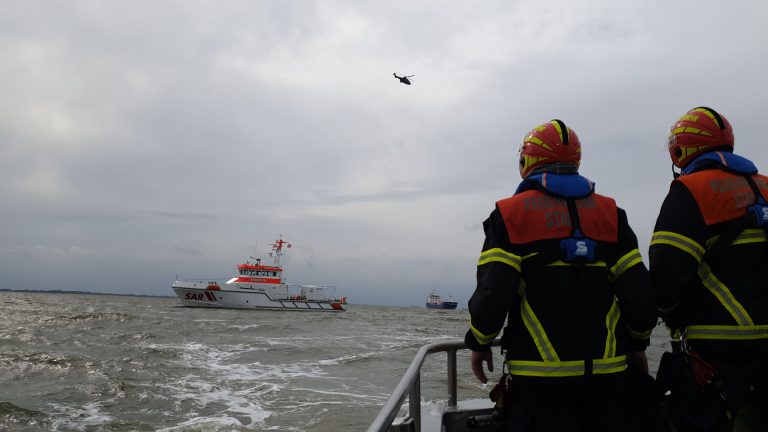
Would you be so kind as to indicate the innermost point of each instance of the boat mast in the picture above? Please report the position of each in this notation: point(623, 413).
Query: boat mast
point(277, 247)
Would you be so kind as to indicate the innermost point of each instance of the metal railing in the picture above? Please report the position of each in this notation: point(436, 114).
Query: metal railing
point(410, 385)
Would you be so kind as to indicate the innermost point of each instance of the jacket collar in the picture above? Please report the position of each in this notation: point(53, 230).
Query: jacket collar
point(721, 160)
point(561, 185)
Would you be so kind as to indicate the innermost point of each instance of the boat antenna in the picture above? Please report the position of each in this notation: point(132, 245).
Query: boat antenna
point(277, 247)
point(256, 246)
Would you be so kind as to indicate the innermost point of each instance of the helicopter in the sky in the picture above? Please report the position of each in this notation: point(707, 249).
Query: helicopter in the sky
point(404, 79)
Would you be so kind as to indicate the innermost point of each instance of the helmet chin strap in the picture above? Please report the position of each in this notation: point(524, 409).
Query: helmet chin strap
point(674, 174)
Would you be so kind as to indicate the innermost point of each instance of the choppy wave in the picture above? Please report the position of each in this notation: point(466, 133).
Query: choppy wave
point(91, 315)
point(81, 417)
point(15, 418)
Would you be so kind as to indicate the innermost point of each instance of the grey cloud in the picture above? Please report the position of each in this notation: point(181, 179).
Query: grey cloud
point(177, 137)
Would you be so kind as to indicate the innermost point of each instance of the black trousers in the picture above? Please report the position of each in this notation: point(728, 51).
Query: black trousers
point(595, 403)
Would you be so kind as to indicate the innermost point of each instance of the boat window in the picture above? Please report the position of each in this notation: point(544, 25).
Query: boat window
point(249, 272)
point(265, 273)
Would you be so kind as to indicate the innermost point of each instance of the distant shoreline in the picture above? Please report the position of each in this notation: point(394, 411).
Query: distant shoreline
point(82, 292)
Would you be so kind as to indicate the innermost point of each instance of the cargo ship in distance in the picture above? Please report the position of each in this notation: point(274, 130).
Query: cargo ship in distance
point(435, 302)
point(259, 286)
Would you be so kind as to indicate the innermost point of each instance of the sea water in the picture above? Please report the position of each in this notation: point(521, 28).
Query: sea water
point(73, 362)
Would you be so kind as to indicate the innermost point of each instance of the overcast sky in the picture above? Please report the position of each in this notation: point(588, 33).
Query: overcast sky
point(144, 139)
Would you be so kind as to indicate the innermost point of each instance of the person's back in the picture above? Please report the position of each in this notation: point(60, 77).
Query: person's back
point(562, 263)
point(707, 258)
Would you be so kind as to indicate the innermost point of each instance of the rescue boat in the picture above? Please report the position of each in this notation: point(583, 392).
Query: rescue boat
point(259, 286)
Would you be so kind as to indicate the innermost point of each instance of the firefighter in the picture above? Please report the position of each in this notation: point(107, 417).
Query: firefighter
point(708, 258)
point(561, 265)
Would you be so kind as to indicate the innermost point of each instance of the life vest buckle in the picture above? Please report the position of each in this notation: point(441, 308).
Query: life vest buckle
point(760, 212)
point(578, 248)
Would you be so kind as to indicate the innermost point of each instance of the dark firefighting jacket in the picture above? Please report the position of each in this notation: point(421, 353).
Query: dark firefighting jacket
point(565, 317)
point(713, 297)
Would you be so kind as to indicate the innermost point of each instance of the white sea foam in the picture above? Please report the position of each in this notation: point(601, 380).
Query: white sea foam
point(203, 424)
point(80, 417)
point(336, 393)
point(233, 391)
point(349, 358)
point(245, 327)
point(222, 405)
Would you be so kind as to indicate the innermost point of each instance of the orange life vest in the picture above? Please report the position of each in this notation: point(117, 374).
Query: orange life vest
point(722, 196)
point(534, 215)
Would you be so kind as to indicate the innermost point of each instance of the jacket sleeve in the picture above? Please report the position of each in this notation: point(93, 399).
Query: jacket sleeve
point(632, 285)
point(676, 250)
point(498, 275)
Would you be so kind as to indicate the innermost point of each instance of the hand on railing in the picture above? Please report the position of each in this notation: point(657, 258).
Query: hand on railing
point(477, 359)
